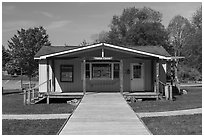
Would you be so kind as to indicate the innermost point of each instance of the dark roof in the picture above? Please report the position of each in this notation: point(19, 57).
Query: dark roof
point(158, 50)
point(46, 50)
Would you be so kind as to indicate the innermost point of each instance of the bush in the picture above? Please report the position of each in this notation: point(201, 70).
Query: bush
point(186, 73)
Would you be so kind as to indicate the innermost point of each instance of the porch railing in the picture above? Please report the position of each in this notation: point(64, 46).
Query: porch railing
point(32, 94)
point(166, 90)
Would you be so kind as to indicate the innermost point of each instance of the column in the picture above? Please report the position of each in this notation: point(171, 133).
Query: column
point(53, 75)
point(157, 76)
point(48, 85)
point(84, 76)
point(121, 76)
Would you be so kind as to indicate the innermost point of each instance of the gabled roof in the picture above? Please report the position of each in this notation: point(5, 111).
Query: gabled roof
point(50, 51)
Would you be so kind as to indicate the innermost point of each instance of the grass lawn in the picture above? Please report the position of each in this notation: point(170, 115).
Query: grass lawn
point(175, 125)
point(13, 104)
point(9, 77)
point(31, 127)
point(191, 100)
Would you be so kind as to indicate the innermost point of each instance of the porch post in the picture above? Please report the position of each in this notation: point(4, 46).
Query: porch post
point(48, 90)
point(48, 87)
point(84, 76)
point(121, 76)
point(53, 75)
point(157, 76)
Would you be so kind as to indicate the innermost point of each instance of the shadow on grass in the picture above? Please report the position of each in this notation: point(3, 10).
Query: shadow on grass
point(13, 104)
point(31, 127)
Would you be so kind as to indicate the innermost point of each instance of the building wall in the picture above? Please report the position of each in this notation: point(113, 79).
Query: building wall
point(97, 85)
point(147, 73)
point(100, 85)
point(77, 84)
point(42, 75)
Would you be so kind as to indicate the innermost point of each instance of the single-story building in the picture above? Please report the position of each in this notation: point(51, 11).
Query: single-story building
point(102, 68)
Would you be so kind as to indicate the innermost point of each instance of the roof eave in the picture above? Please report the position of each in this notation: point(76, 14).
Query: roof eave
point(104, 44)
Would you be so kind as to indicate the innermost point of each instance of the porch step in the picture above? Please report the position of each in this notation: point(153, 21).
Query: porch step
point(141, 95)
point(38, 99)
point(65, 95)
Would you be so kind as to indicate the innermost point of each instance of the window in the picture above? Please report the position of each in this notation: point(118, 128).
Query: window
point(137, 71)
point(66, 73)
point(87, 70)
point(116, 71)
point(101, 71)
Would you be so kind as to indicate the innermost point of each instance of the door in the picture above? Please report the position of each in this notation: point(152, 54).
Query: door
point(137, 76)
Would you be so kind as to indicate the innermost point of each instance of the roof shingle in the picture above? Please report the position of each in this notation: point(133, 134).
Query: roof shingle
point(46, 50)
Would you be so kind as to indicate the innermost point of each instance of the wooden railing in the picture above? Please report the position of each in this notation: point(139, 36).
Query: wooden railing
point(31, 94)
point(167, 90)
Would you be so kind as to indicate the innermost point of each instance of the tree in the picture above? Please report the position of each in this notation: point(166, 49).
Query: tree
point(137, 27)
point(100, 37)
point(178, 29)
point(5, 57)
point(197, 19)
point(23, 47)
point(193, 45)
point(84, 43)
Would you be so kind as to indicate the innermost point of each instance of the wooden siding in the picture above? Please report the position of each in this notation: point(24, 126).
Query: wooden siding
point(99, 85)
point(43, 75)
point(77, 83)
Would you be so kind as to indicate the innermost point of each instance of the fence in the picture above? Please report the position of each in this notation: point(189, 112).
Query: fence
point(32, 94)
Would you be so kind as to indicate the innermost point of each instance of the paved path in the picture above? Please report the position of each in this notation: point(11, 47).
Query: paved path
point(102, 114)
point(171, 113)
point(36, 116)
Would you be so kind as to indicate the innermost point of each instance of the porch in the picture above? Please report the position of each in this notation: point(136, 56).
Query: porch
point(102, 68)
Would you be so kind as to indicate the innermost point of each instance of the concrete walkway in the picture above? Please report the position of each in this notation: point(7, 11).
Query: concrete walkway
point(36, 116)
point(171, 113)
point(102, 114)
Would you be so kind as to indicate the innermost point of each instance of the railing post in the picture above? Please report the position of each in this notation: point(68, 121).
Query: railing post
point(29, 97)
point(170, 93)
point(24, 97)
point(84, 76)
point(48, 99)
point(121, 76)
point(33, 94)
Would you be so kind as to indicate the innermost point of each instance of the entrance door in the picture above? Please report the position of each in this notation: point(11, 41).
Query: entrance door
point(137, 76)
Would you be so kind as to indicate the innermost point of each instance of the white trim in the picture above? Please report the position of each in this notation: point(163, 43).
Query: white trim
point(69, 51)
point(135, 51)
point(102, 53)
point(107, 45)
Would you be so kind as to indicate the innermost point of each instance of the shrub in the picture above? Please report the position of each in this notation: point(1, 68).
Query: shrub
point(186, 73)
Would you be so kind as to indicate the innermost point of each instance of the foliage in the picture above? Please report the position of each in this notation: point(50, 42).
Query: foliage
point(178, 29)
point(197, 19)
point(193, 44)
point(23, 47)
point(186, 38)
point(136, 27)
point(187, 73)
point(5, 57)
point(101, 37)
point(84, 43)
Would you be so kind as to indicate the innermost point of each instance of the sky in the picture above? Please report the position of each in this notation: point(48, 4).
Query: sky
point(71, 23)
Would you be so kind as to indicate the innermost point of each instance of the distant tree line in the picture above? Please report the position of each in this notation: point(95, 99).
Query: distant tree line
point(142, 26)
